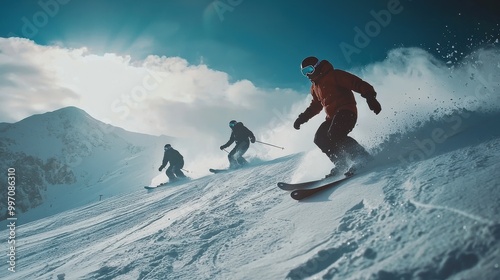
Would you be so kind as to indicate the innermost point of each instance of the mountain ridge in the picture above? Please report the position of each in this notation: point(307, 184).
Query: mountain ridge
point(67, 147)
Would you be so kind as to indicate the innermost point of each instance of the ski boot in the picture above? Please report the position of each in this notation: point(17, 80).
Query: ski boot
point(340, 166)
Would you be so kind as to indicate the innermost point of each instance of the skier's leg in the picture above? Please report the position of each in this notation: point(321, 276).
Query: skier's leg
point(321, 138)
point(170, 173)
point(358, 154)
point(344, 146)
point(179, 173)
point(342, 123)
point(177, 169)
point(323, 141)
point(242, 148)
point(232, 161)
point(347, 121)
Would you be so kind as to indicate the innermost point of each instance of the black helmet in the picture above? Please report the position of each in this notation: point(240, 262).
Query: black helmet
point(308, 65)
point(232, 123)
point(167, 146)
point(310, 60)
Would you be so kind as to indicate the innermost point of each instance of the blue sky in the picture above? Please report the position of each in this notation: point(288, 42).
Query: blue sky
point(259, 40)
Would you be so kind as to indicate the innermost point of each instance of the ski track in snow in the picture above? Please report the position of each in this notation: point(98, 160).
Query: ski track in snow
point(456, 211)
point(432, 219)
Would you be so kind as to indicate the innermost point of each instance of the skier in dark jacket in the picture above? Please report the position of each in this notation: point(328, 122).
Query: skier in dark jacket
point(176, 161)
point(331, 90)
point(242, 136)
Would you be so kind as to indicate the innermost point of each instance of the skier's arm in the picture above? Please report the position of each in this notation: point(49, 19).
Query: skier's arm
point(250, 135)
point(356, 84)
point(164, 162)
point(231, 140)
point(311, 111)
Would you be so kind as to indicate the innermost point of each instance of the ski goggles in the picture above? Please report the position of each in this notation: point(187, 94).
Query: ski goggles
point(308, 70)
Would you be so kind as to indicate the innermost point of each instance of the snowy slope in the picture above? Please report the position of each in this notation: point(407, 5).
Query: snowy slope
point(66, 159)
point(429, 210)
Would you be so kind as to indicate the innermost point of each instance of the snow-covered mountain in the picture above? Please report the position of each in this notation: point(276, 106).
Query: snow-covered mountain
point(428, 210)
point(66, 158)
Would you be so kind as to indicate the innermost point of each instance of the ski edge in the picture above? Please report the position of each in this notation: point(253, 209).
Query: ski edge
point(309, 184)
point(305, 193)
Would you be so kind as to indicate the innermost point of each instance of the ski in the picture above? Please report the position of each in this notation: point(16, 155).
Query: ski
point(303, 193)
point(179, 181)
point(154, 187)
point(215, 171)
point(306, 185)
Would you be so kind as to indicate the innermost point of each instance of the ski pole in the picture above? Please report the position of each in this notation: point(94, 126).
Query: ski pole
point(270, 144)
point(185, 170)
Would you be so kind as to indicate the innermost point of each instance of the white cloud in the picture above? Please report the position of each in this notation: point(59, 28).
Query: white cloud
point(158, 95)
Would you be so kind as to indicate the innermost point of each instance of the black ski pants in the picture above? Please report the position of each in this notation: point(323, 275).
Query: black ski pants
point(331, 137)
point(235, 156)
point(174, 170)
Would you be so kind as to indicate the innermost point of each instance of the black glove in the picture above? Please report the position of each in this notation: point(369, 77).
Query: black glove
point(222, 147)
point(299, 121)
point(374, 105)
point(252, 140)
point(160, 169)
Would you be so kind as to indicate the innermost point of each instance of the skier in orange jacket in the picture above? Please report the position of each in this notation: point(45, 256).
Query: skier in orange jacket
point(331, 90)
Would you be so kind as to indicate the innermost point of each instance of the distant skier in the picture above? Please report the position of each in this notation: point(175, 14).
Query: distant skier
point(176, 161)
point(242, 136)
point(331, 90)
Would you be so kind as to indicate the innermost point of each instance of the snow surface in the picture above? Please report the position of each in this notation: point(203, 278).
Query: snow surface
point(428, 210)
